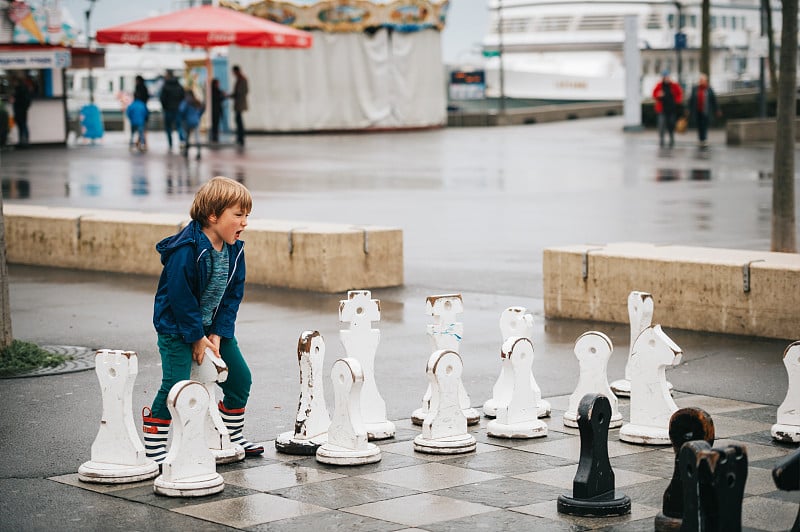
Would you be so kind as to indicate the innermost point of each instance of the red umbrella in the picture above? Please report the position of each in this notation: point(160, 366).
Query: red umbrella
point(206, 27)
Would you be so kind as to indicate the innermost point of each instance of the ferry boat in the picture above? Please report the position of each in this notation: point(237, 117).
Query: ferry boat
point(572, 50)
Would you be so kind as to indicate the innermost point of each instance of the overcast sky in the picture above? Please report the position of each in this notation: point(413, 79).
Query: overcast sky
point(467, 20)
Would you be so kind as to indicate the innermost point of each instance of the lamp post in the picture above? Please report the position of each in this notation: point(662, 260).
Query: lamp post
point(88, 14)
point(500, 56)
point(762, 92)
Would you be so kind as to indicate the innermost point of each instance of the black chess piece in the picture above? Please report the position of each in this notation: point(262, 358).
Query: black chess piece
point(713, 487)
point(786, 475)
point(593, 493)
point(686, 424)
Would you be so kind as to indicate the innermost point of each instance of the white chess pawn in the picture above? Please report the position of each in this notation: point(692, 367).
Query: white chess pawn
point(593, 350)
point(513, 322)
point(347, 435)
point(360, 341)
point(118, 455)
point(189, 470)
point(312, 420)
point(787, 429)
point(445, 428)
point(651, 403)
point(519, 417)
point(209, 373)
point(445, 333)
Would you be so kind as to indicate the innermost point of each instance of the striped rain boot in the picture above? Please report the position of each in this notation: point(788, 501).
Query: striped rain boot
point(155, 433)
point(234, 422)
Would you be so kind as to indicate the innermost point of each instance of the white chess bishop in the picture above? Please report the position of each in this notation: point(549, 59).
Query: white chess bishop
point(593, 350)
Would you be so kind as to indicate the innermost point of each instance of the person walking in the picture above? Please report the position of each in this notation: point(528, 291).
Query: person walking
point(22, 102)
point(217, 97)
point(239, 96)
point(668, 96)
point(190, 111)
point(137, 114)
point(196, 303)
point(171, 96)
point(702, 106)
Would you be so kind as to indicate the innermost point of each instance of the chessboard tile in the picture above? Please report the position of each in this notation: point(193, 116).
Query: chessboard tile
point(330, 520)
point(430, 477)
point(347, 491)
point(562, 477)
point(419, 510)
point(277, 476)
point(243, 512)
point(549, 510)
point(762, 513)
point(502, 492)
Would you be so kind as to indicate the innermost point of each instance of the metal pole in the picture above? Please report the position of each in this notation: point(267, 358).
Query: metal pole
point(88, 14)
point(762, 92)
point(500, 56)
point(679, 58)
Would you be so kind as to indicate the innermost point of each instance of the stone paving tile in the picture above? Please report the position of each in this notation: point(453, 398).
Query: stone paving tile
point(419, 510)
point(768, 514)
point(507, 462)
point(727, 427)
point(146, 495)
point(330, 521)
point(277, 476)
point(243, 512)
point(388, 461)
point(430, 477)
point(502, 493)
point(549, 510)
point(562, 477)
point(503, 520)
point(347, 491)
point(716, 405)
point(72, 480)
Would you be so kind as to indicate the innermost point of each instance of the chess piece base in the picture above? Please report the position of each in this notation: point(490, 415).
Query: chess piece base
point(490, 408)
point(288, 444)
point(610, 504)
point(529, 429)
point(786, 433)
point(103, 473)
point(644, 435)
point(380, 430)
point(543, 408)
point(472, 415)
point(198, 486)
point(461, 444)
point(622, 387)
point(335, 455)
point(570, 419)
point(418, 416)
point(665, 523)
point(227, 456)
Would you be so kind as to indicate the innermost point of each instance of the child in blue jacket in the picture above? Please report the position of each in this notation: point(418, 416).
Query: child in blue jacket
point(196, 303)
point(190, 111)
point(137, 114)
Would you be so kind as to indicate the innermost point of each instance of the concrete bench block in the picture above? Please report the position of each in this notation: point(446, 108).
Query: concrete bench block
point(751, 130)
point(695, 288)
point(42, 235)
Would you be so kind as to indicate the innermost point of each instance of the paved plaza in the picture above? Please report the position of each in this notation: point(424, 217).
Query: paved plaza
point(477, 207)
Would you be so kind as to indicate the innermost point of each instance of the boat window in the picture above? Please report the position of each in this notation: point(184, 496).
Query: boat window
point(657, 66)
point(744, 26)
point(693, 21)
point(645, 66)
point(671, 20)
point(654, 21)
point(692, 64)
point(515, 25)
point(553, 23)
point(682, 22)
point(733, 23)
point(713, 22)
point(724, 22)
point(601, 22)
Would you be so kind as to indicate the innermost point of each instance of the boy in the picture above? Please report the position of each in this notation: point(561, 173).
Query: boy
point(198, 296)
point(189, 113)
point(137, 115)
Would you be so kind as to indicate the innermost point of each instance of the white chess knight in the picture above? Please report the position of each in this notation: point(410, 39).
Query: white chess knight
point(651, 403)
point(347, 435)
point(189, 470)
point(787, 428)
point(312, 420)
point(360, 341)
point(213, 370)
point(444, 430)
point(117, 454)
point(593, 350)
point(514, 321)
point(519, 417)
point(445, 333)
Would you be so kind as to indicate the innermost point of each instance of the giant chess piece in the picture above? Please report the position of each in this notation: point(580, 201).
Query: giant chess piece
point(787, 429)
point(686, 424)
point(212, 371)
point(593, 488)
point(189, 470)
point(786, 475)
point(651, 403)
point(713, 486)
point(514, 321)
point(347, 435)
point(360, 341)
point(593, 350)
point(118, 455)
point(445, 333)
point(519, 417)
point(640, 314)
point(312, 420)
point(445, 428)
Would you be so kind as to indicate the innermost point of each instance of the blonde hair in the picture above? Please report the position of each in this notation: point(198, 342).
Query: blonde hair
point(217, 195)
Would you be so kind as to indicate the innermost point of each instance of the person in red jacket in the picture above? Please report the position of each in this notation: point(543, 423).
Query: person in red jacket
point(668, 96)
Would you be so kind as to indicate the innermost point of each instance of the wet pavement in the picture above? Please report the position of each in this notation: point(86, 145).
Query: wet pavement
point(476, 206)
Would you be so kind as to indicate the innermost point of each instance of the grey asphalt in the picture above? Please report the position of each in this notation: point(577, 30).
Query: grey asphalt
point(477, 206)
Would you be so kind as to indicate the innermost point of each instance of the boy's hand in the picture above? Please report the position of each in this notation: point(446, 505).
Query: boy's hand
point(215, 339)
point(199, 349)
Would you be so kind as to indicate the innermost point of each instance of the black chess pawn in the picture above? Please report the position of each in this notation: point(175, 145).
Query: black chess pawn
point(786, 475)
point(593, 493)
point(713, 487)
point(686, 424)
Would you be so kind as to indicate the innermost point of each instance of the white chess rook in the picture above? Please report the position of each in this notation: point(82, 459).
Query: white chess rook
point(514, 321)
point(787, 428)
point(519, 418)
point(347, 435)
point(189, 470)
point(444, 430)
point(117, 454)
point(445, 333)
point(360, 341)
point(209, 373)
point(651, 403)
point(312, 420)
point(593, 350)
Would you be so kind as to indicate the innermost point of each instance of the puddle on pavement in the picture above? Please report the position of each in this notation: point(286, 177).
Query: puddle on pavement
point(673, 174)
point(16, 188)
